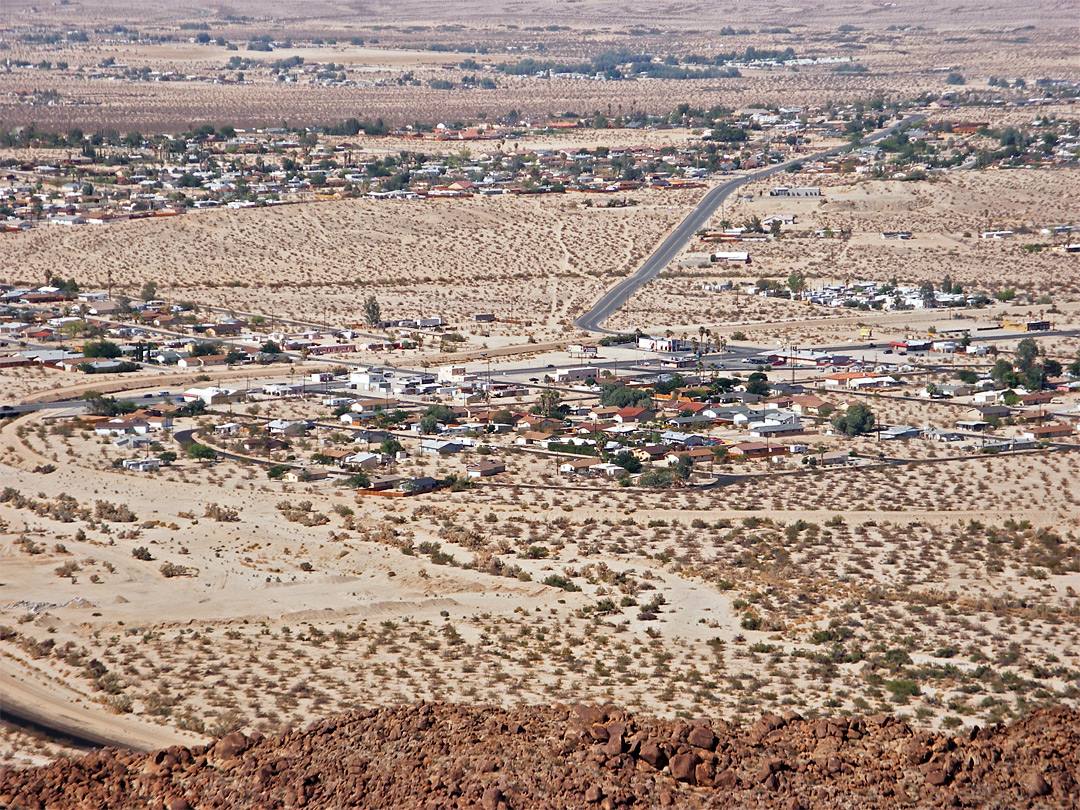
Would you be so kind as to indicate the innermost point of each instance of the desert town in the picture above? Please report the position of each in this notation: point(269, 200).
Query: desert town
point(664, 415)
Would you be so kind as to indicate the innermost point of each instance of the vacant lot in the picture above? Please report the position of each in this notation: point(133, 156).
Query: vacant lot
point(540, 258)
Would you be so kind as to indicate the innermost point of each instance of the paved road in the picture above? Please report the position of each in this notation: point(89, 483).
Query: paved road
point(614, 298)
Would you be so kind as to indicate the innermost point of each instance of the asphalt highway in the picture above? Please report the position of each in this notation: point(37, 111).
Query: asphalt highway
point(614, 298)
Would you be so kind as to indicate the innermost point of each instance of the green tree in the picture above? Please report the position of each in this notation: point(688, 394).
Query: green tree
point(622, 396)
point(1074, 366)
point(97, 404)
point(503, 417)
point(856, 420)
point(757, 383)
point(549, 402)
point(796, 283)
point(390, 446)
point(101, 348)
point(1026, 352)
point(276, 472)
point(149, 291)
point(205, 348)
point(683, 466)
point(627, 461)
point(270, 348)
point(360, 480)
point(200, 452)
point(753, 224)
point(372, 312)
point(1003, 373)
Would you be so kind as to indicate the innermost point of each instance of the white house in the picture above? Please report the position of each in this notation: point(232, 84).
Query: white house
point(211, 395)
point(141, 464)
point(366, 461)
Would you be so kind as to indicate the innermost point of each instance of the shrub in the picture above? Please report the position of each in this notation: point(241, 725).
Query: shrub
point(557, 581)
point(903, 688)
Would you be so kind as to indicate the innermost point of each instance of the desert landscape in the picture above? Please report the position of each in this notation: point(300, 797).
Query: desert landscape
point(547, 405)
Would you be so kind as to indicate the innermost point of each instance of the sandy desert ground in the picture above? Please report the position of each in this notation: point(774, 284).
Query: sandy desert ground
point(282, 621)
point(945, 217)
point(206, 598)
point(541, 259)
point(904, 48)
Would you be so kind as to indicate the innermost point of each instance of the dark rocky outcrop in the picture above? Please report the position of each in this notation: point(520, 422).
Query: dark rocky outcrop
point(452, 756)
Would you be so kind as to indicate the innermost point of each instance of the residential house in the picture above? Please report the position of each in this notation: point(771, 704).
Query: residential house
point(634, 415)
point(1054, 430)
point(335, 455)
point(364, 460)
point(485, 468)
point(204, 361)
point(899, 432)
point(650, 452)
point(538, 423)
point(771, 427)
point(677, 438)
point(750, 450)
point(837, 458)
point(440, 447)
point(416, 486)
point(304, 475)
point(381, 483)
point(531, 437)
point(992, 397)
point(809, 405)
point(141, 464)
point(220, 330)
point(697, 455)
point(287, 427)
point(1037, 398)
point(211, 395)
point(578, 465)
point(352, 418)
point(133, 442)
point(991, 411)
point(602, 414)
point(608, 469)
point(121, 427)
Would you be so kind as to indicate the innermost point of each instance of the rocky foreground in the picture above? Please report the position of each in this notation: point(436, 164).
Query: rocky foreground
point(448, 756)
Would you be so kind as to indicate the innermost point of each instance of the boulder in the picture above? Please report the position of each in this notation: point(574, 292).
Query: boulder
point(1034, 785)
point(683, 766)
point(702, 737)
point(650, 752)
point(491, 798)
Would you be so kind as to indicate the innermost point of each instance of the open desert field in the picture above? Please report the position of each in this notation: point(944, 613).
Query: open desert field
point(309, 514)
point(298, 600)
point(902, 50)
point(945, 218)
point(542, 259)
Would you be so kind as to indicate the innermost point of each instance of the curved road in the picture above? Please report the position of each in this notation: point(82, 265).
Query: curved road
point(614, 298)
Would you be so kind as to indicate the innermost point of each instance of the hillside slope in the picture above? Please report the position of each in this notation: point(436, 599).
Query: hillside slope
point(446, 756)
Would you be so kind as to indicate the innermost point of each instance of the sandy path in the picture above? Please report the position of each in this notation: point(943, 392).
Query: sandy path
point(28, 693)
